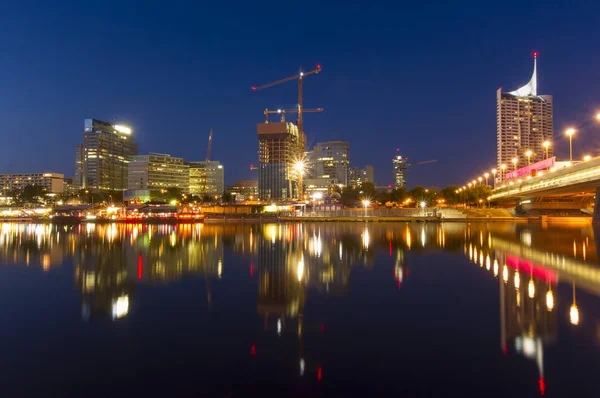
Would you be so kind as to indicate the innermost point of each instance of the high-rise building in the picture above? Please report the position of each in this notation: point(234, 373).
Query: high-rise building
point(357, 175)
point(330, 160)
point(400, 169)
point(280, 147)
point(78, 178)
point(524, 123)
point(50, 182)
point(207, 178)
point(157, 171)
point(104, 155)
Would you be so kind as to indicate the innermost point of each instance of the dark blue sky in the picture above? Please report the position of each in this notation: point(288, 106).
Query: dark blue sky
point(421, 78)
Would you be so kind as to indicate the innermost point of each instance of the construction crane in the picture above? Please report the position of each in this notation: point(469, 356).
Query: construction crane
point(209, 146)
point(284, 111)
point(423, 162)
point(300, 76)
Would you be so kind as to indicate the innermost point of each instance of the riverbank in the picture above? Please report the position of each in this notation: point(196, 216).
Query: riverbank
point(263, 219)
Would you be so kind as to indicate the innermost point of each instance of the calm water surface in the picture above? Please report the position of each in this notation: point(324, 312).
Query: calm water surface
point(456, 309)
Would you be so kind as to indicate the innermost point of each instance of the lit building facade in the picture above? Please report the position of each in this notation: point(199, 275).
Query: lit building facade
point(281, 146)
point(330, 160)
point(524, 123)
point(244, 189)
point(50, 182)
point(357, 175)
point(104, 155)
point(78, 177)
point(206, 178)
point(400, 169)
point(157, 171)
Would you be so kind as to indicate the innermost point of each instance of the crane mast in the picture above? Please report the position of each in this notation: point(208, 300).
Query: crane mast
point(300, 122)
point(209, 146)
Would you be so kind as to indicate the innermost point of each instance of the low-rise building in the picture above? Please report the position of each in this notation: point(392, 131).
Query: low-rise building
point(244, 189)
point(50, 182)
point(317, 188)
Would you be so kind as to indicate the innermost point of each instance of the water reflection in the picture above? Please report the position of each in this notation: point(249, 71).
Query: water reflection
point(287, 261)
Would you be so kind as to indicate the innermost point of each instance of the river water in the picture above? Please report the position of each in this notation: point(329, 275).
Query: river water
point(348, 309)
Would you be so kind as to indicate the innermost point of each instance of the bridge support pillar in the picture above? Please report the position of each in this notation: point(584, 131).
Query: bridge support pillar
point(596, 217)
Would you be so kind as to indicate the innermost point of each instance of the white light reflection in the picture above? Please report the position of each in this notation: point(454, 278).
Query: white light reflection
point(120, 307)
point(300, 270)
point(531, 289)
point(365, 239)
point(549, 300)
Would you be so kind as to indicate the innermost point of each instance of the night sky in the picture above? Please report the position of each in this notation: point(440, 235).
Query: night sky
point(421, 78)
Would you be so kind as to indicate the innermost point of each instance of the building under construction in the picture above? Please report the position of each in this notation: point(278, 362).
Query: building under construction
point(279, 150)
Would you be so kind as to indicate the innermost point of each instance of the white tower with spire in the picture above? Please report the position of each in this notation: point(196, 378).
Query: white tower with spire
point(524, 123)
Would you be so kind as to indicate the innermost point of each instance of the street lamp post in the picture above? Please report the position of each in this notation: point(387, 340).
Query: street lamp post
point(514, 162)
point(486, 175)
point(366, 204)
point(480, 179)
point(528, 154)
point(546, 146)
point(570, 133)
point(300, 169)
point(502, 171)
point(494, 171)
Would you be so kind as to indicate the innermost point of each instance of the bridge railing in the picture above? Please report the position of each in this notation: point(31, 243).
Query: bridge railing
point(580, 173)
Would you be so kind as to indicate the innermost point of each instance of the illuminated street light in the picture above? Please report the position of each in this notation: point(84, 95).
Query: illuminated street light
point(528, 154)
point(494, 171)
point(300, 168)
point(502, 171)
point(480, 179)
point(474, 182)
point(469, 185)
point(366, 203)
point(514, 162)
point(570, 133)
point(598, 116)
point(486, 175)
point(546, 146)
point(587, 158)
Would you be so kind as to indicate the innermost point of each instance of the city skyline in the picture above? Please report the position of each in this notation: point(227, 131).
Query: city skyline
point(358, 87)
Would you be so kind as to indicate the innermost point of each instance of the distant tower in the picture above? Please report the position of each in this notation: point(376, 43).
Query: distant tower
point(400, 168)
point(524, 122)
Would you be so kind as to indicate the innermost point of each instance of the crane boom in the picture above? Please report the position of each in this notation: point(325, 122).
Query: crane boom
point(209, 146)
point(424, 162)
point(301, 74)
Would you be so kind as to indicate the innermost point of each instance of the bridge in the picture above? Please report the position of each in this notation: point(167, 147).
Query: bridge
point(578, 182)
